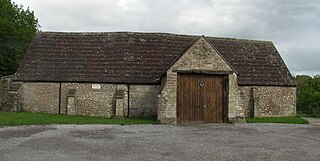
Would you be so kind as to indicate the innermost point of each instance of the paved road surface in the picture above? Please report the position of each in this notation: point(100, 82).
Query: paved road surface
point(161, 142)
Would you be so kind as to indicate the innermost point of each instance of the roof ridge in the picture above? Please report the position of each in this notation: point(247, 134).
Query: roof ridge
point(118, 32)
point(240, 39)
point(153, 33)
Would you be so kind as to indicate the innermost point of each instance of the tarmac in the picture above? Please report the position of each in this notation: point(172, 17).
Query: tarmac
point(249, 142)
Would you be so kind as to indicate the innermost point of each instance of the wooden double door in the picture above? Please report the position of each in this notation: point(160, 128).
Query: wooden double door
point(201, 98)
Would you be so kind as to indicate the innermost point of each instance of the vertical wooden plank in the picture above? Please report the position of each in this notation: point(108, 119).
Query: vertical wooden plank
point(197, 105)
point(213, 98)
point(221, 89)
point(218, 98)
point(199, 99)
point(225, 98)
point(195, 98)
point(219, 94)
point(179, 98)
point(206, 99)
point(191, 98)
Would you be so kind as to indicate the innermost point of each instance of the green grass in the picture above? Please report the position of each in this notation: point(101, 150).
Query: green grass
point(28, 118)
point(286, 120)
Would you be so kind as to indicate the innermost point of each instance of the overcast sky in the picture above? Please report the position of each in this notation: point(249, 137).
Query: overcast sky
point(293, 25)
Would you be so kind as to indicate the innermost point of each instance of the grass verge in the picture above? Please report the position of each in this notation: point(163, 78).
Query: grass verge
point(286, 120)
point(28, 118)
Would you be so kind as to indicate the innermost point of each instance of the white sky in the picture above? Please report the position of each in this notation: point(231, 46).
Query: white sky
point(293, 25)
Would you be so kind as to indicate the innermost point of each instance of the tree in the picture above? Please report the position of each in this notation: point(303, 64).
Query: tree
point(17, 28)
point(308, 95)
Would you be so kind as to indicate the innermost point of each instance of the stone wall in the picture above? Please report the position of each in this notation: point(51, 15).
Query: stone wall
point(143, 100)
point(200, 58)
point(89, 99)
point(246, 101)
point(103, 100)
point(9, 95)
point(111, 99)
point(4, 84)
point(269, 101)
point(167, 99)
point(274, 101)
point(236, 105)
point(40, 97)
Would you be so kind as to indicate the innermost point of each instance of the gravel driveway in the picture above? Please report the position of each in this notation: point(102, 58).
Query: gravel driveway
point(161, 142)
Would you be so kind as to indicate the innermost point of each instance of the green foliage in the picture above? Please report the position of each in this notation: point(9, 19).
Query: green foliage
point(28, 118)
point(17, 27)
point(286, 120)
point(308, 95)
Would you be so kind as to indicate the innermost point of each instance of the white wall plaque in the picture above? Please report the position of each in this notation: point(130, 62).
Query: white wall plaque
point(95, 86)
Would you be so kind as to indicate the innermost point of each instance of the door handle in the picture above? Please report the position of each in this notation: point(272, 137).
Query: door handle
point(204, 106)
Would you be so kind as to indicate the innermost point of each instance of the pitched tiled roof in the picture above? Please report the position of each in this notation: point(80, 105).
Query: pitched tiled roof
point(256, 62)
point(129, 57)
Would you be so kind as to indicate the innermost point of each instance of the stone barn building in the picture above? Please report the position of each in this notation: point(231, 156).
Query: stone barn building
point(176, 78)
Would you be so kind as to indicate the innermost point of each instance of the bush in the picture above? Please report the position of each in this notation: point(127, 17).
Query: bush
point(308, 95)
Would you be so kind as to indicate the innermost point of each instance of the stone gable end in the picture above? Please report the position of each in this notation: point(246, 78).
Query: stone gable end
point(201, 57)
